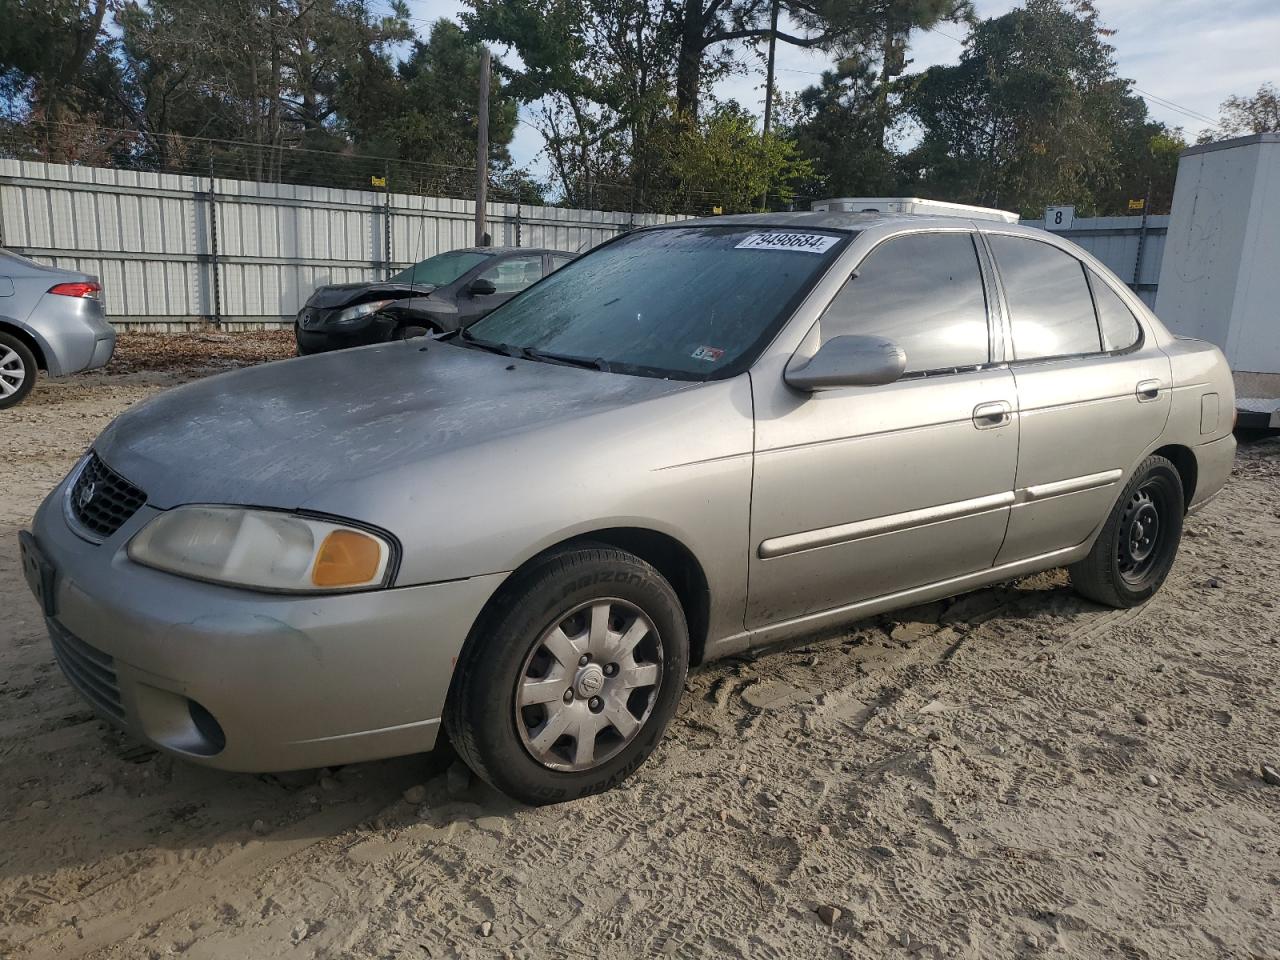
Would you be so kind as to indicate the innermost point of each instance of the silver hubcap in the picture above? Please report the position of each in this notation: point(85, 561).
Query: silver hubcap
point(12, 372)
point(588, 685)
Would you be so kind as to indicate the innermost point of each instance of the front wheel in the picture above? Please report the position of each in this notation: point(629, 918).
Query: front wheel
point(570, 685)
point(1139, 542)
point(410, 331)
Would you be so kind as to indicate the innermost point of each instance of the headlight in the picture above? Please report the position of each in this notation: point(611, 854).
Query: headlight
point(262, 549)
point(359, 312)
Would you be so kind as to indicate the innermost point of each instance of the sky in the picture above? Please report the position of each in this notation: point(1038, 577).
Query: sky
point(1185, 56)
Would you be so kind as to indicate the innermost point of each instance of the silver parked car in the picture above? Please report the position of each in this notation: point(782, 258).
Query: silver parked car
point(697, 439)
point(51, 320)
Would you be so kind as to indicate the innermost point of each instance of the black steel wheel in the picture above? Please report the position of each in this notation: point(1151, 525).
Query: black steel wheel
point(1139, 542)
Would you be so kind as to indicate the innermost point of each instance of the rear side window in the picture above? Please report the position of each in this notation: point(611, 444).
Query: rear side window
point(1049, 302)
point(558, 262)
point(1119, 326)
point(923, 291)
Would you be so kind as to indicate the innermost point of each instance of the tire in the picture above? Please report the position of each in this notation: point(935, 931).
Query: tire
point(1131, 558)
point(409, 331)
point(533, 753)
point(18, 370)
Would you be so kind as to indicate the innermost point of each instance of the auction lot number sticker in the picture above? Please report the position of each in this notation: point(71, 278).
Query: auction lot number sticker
point(805, 242)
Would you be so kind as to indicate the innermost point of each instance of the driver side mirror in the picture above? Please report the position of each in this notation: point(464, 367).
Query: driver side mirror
point(480, 287)
point(854, 360)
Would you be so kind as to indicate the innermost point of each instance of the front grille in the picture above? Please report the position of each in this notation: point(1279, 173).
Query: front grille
point(101, 500)
point(90, 671)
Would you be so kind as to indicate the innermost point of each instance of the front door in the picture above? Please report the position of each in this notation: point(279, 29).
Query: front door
point(509, 276)
point(863, 491)
point(1093, 391)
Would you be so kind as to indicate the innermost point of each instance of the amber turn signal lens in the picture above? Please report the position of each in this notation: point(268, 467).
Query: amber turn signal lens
point(346, 559)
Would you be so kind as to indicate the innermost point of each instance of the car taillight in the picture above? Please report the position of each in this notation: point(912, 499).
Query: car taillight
point(76, 289)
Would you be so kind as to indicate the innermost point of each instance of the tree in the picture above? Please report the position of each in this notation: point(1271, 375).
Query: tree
point(1239, 116)
point(598, 73)
point(875, 30)
point(1146, 159)
point(436, 122)
point(45, 47)
point(46, 44)
point(836, 125)
point(722, 160)
point(1031, 115)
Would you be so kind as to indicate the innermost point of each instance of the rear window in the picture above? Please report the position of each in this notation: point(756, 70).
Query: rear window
point(1050, 306)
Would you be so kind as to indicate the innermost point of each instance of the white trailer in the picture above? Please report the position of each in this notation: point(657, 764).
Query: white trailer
point(1220, 279)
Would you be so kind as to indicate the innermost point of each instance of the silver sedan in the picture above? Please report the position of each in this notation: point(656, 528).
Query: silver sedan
point(696, 440)
point(51, 320)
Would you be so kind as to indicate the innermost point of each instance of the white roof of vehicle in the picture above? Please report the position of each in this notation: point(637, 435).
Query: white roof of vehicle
point(911, 205)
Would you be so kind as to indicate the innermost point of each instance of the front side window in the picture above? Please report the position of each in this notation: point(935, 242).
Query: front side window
point(693, 303)
point(512, 276)
point(442, 269)
point(558, 262)
point(1116, 321)
point(923, 291)
point(1049, 302)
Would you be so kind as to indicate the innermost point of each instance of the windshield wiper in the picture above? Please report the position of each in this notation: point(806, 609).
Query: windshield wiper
point(501, 349)
point(599, 363)
point(533, 353)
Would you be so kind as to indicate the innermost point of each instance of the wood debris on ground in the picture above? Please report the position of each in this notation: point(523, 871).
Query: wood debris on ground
point(195, 351)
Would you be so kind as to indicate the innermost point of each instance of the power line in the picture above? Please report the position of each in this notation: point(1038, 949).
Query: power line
point(1161, 101)
point(943, 33)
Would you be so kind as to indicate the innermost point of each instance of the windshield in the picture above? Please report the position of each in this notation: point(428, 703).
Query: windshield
point(692, 303)
point(441, 269)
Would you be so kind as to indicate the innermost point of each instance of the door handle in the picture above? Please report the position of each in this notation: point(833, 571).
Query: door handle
point(993, 414)
point(1147, 390)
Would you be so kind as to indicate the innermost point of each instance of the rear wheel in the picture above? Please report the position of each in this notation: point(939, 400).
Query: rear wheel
point(17, 370)
point(1139, 542)
point(570, 685)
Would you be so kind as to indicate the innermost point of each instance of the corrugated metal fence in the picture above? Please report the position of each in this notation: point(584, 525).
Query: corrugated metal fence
point(174, 251)
point(1130, 252)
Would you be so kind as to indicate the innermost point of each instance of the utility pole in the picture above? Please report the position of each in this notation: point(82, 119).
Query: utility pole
point(482, 146)
point(768, 91)
point(1142, 238)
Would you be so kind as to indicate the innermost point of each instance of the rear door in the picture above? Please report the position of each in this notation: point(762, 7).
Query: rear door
point(509, 276)
point(1093, 392)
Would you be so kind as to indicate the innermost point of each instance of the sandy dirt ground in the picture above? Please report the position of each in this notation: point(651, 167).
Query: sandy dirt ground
point(1014, 774)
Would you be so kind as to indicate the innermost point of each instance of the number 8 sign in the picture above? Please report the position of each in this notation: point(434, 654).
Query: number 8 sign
point(1059, 218)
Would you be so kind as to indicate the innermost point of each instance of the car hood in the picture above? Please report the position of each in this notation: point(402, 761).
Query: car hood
point(341, 294)
point(282, 434)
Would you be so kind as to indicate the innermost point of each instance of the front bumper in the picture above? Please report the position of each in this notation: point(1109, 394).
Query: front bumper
point(246, 681)
point(320, 339)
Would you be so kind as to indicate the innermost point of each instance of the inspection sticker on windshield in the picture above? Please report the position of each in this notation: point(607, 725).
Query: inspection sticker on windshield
point(709, 354)
point(805, 242)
